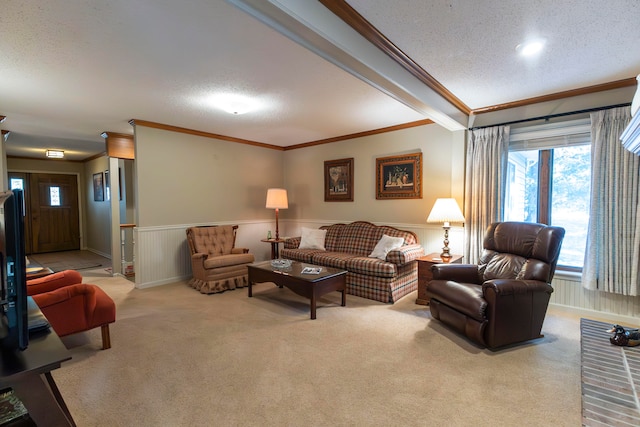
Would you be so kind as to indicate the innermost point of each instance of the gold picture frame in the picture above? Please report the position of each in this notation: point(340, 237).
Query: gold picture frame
point(399, 177)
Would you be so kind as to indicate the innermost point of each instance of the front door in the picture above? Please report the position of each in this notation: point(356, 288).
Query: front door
point(52, 219)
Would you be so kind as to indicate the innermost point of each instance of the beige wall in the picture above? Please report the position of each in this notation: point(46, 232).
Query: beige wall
point(187, 179)
point(443, 176)
point(98, 214)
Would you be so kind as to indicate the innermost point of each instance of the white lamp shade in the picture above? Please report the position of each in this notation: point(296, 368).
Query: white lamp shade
point(277, 198)
point(446, 210)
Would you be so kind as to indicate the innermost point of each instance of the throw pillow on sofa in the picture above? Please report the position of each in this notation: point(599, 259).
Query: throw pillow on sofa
point(385, 245)
point(312, 238)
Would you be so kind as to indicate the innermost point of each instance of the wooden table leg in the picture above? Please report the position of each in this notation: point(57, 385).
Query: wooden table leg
point(42, 402)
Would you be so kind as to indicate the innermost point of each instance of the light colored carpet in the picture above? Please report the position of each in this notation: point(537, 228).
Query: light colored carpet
point(181, 358)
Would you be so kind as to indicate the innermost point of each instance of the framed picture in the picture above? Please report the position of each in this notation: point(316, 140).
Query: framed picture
point(98, 187)
point(107, 186)
point(338, 180)
point(399, 177)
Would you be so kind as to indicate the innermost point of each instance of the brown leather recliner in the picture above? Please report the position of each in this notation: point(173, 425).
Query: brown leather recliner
point(502, 300)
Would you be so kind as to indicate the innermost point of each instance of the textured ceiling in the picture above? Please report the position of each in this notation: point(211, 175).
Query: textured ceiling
point(71, 70)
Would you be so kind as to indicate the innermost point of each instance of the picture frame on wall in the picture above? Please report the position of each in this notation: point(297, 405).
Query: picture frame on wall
point(338, 180)
point(399, 177)
point(98, 187)
point(107, 186)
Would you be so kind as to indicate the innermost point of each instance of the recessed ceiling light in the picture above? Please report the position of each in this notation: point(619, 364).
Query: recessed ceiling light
point(234, 103)
point(530, 48)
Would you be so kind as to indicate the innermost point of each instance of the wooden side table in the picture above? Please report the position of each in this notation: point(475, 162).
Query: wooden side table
point(424, 273)
point(275, 251)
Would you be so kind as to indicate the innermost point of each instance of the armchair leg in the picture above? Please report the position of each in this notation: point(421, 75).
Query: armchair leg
point(106, 338)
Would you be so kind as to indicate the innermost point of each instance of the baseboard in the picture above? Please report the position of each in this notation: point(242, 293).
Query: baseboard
point(162, 282)
point(597, 315)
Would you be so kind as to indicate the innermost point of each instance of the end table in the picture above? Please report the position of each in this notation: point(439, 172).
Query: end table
point(425, 275)
point(275, 251)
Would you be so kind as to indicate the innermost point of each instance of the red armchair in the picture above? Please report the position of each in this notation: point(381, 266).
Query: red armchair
point(71, 306)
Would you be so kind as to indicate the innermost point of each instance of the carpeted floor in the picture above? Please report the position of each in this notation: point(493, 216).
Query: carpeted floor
point(180, 358)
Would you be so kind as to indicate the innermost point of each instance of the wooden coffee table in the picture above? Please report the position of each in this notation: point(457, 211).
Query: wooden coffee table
point(310, 286)
point(35, 272)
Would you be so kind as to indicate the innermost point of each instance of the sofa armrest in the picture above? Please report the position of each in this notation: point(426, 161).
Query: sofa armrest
point(405, 254)
point(292, 242)
point(239, 250)
point(464, 273)
point(53, 281)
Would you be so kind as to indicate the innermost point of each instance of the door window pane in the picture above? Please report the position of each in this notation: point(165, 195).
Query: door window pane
point(54, 196)
point(17, 184)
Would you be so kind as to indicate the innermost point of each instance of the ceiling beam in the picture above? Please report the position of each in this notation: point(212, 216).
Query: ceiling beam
point(316, 28)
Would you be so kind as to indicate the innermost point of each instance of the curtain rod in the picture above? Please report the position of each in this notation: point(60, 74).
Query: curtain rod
point(552, 116)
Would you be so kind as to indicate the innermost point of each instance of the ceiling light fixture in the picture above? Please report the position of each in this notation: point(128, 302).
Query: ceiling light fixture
point(530, 49)
point(234, 103)
point(54, 154)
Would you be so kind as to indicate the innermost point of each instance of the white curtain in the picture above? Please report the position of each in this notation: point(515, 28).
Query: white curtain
point(613, 240)
point(487, 158)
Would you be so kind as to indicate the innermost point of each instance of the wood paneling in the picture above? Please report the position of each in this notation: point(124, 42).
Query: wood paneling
point(119, 145)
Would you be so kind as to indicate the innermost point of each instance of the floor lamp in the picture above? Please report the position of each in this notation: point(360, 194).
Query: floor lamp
point(277, 199)
point(445, 211)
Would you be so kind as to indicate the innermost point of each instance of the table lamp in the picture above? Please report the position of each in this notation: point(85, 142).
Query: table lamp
point(445, 211)
point(277, 199)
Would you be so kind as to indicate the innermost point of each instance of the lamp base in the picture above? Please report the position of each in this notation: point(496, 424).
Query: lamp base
point(446, 255)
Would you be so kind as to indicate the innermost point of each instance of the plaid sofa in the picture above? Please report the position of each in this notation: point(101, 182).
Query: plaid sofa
point(347, 247)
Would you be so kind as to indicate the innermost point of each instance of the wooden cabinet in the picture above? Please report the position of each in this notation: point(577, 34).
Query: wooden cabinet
point(425, 276)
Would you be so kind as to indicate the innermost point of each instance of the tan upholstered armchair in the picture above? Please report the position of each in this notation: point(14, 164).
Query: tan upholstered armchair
point(217, 264)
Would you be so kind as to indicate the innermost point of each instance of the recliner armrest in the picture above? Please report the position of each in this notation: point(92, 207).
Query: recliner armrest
point(465, 273)
point(240, 250)
point(515, 287)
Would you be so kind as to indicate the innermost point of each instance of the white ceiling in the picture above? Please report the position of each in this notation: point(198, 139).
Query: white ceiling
point(71, 69)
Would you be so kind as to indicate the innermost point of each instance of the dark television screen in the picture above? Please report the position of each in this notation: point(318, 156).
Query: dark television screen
point(14, 328)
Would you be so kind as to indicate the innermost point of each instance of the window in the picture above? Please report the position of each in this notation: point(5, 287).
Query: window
point(54, 196)
point(548, 181)
point(17, 184)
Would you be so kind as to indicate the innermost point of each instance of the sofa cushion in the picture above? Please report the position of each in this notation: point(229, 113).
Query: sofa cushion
point(332, 259)
point(312, 238)
point(384, 245)
point(302, 255)
point(372, 267)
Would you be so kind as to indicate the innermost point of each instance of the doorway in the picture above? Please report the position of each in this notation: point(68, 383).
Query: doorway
point(51, 211)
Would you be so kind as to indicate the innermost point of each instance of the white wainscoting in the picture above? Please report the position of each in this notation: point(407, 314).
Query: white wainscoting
point(162, 254)
point(162, 257)
point(569, 295)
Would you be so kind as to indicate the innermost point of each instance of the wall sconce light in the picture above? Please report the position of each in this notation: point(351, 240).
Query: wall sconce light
point(54, 154)
point(277, 199)
point(446, 211)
